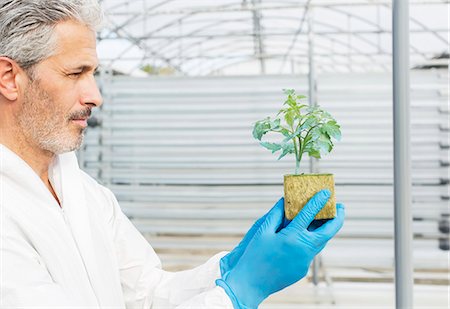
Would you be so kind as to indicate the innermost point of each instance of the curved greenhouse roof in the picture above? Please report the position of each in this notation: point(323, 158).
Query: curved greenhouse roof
point(228, 37)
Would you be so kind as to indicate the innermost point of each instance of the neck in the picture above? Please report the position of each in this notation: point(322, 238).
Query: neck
point(38, 159)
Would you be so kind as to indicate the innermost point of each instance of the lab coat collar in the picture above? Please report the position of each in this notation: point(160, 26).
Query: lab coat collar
point(19, 173)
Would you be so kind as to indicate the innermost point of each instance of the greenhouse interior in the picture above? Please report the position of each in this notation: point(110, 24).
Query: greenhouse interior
point(184, 83)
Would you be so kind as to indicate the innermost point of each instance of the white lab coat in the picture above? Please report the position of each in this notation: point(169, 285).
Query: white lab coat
point(86, 254)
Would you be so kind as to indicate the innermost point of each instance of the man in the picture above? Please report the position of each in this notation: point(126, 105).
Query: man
point(64, 241)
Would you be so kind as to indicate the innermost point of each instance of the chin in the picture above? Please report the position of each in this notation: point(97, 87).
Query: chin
point(63, 145)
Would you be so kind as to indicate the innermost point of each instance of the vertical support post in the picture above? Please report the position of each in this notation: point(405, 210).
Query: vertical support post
point(402, 160)
point(313, 164)
point(311, 71)
point(257, 30)
point(103, 173)
point(180, 43)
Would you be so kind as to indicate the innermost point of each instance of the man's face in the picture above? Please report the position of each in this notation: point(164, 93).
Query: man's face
point(61, 92)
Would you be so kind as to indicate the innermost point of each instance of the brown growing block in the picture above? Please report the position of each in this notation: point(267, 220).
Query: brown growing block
point(298, 189)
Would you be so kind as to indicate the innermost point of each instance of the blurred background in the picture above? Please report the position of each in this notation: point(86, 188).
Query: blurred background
point(183, 84)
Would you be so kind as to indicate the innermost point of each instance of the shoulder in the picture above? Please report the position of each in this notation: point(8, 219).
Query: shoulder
point(97, 193)
point(92, 185)
point(101, 200)
point(92, 188)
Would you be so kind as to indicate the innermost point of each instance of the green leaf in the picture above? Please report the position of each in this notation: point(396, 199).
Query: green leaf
point(314, 153)
point(307, 139)
point(324, 115)
point(282, 111)
point(289, 92)
point(289, 137)
point(324, 143)
point(324, 147)
point(285, 132)
point(261, 127)
point(292, 103)
point(289, 117)
point(287, 149)
point(275, 125)
point(297, 132)
point(271, 146)
point(311, 109)
point(308, 123)
point(333, 129)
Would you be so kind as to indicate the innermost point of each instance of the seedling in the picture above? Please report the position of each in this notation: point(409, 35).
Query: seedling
point(303, 130)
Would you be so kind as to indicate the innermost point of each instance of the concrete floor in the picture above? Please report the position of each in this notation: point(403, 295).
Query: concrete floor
point(355, 295)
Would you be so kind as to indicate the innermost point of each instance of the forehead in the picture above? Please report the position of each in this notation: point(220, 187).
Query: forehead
point(75, 45)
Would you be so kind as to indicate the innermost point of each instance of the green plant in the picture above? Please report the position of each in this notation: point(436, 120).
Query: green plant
point(305, 129)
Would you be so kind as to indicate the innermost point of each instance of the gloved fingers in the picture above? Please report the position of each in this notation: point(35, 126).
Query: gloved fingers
point(316, 224)
point(234, 256)
point(304, 218)
point(276, 208)
point(285, 223)
point(330, 228)
point(249, 235)
point(274, 217)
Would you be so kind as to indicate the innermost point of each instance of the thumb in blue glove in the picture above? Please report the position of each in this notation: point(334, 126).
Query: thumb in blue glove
point(274, 260)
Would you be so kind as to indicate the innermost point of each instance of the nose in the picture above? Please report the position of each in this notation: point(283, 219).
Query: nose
point(91, 93)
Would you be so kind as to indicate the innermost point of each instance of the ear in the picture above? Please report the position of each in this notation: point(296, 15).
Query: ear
point(9, 78)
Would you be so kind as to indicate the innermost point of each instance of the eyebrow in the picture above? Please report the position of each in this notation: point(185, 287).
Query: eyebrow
point(86, 67)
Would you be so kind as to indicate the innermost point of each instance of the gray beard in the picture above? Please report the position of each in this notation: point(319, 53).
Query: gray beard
point(57, 145)
point(49, 134)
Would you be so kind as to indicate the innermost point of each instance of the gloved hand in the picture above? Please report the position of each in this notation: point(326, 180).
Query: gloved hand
point(272, 260)
point(231, 259)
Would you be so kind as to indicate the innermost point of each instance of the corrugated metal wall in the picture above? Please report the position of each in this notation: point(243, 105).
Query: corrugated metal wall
point(179, 155)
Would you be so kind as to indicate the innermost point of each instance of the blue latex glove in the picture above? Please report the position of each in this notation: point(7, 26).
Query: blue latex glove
point(272, 259)
point(231, 259)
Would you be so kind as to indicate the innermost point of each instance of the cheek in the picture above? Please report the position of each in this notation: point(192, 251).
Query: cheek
point(52, 103)
point(70, 100)
point(59, 102)
point(48, 108)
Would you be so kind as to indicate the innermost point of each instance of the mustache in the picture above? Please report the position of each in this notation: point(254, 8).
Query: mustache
point(86, 113)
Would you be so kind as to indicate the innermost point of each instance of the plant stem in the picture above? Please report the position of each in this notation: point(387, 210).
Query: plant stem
point(295, 151)
point(299, 158)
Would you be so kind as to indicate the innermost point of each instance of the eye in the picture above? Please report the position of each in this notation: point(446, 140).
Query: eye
point(75, 74)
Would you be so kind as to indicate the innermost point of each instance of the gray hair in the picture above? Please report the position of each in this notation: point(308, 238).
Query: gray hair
point(27, 26)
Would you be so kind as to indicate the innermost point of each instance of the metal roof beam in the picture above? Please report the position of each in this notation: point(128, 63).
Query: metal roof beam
point(250, 34)
point(200, 10)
